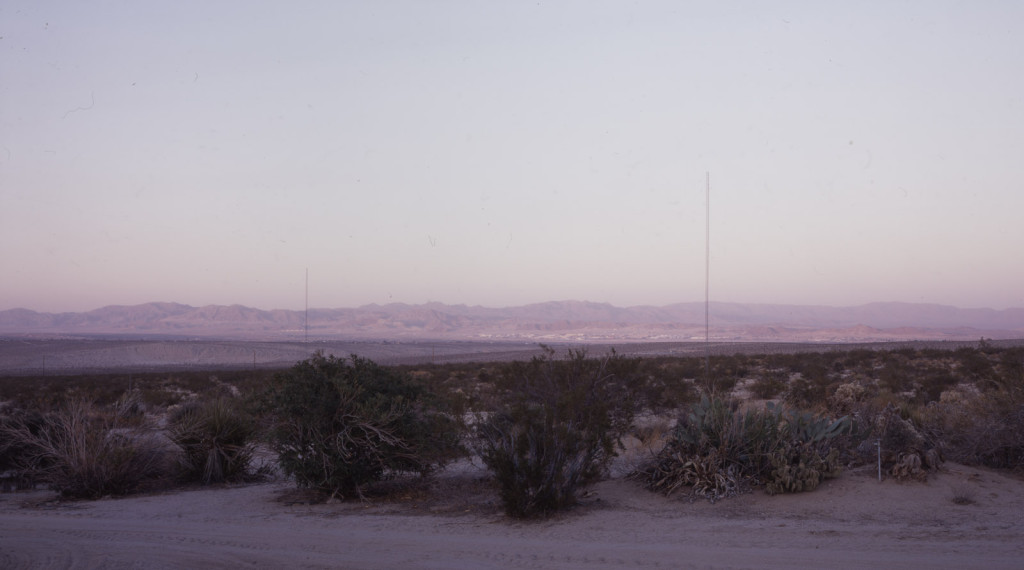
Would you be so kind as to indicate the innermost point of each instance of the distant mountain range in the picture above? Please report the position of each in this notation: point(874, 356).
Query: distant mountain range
point(571, 321)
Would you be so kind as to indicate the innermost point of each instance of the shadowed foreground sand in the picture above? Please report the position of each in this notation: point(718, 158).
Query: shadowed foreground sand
point(849, 522)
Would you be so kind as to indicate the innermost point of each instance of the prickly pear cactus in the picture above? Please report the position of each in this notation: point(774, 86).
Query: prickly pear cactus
point(798, 467)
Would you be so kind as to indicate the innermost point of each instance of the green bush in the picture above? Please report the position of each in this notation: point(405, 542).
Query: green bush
point(339, 425)
point(556, 430)
point(769, 385)
point(216, 439)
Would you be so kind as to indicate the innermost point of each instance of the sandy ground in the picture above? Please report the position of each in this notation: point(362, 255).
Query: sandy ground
point(454, 522)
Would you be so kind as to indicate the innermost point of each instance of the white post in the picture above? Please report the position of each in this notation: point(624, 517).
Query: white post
point(878, 444)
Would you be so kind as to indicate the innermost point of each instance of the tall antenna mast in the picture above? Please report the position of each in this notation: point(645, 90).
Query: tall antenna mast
point(707, 279)
point(306, 338)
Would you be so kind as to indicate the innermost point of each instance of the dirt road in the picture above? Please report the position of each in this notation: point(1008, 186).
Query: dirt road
point(850, 522)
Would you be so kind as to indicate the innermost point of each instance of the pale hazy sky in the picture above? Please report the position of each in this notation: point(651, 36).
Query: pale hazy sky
point(500, 153)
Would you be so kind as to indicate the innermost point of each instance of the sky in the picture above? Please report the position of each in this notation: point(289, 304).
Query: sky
point(504, 153)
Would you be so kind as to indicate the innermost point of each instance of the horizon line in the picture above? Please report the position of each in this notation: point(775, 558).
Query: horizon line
point(604, 303)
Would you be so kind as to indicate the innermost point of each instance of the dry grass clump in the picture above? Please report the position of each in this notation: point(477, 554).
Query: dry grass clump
point(962, 493)
point(84, 452)
point(17, 428)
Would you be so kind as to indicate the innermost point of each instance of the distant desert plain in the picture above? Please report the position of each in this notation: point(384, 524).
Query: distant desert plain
point(160, 336)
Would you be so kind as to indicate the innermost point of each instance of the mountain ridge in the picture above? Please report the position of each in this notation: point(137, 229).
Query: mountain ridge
point(548, 321)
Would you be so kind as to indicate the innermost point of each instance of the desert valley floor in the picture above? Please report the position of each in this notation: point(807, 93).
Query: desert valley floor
point(26, 355)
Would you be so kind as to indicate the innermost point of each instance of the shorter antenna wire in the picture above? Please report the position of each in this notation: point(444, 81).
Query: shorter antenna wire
point(707, 280)
point(306, 324)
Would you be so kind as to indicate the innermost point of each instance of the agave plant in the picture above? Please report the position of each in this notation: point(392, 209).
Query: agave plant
point(718, 450)
point(810, 428)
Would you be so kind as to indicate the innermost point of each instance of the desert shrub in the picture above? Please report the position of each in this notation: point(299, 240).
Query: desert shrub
point(129, 408)
point(858, 358)
point(973, 363)
point(769, 384)
point(978, 428)
point(657, 393)
point(661, 383)
point(812, 366)
point(1011, 363)
point(802, 393)
point(216, 439)
point(906, 450)
point(150, 390)
point(17, 428)
point(339, 425)
point(687, 367)
point(734, 366)
point(982, 422)
point(556, 430)
point(83, 452)
point(717, 451)
point(845, 397)
point(933, 383)
point(719, 384)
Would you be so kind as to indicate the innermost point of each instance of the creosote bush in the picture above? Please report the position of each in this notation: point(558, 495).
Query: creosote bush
point(556, 429)
point(216, 440)
point(339, 425)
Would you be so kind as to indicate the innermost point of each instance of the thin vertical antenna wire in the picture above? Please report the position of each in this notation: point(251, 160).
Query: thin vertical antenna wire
point(306, 324)
point(707, 279)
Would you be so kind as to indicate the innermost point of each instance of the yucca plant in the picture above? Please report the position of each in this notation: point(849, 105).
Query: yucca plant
point(718, 451)
point(216, 439)
point(713, 449)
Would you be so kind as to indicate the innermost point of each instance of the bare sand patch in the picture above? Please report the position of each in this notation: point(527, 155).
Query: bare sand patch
point(455, 521)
